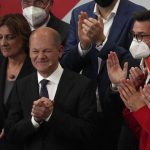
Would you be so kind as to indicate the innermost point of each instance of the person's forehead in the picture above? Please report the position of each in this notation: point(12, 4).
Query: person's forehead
point(142, 25)
point(41, 40)
point(5, 28)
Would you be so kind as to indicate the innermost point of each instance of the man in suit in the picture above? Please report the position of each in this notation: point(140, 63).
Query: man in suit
point(60, 115)
point(38, 14)
point(95, 29)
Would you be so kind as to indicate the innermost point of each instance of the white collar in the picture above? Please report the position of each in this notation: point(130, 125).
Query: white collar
point(113, 12)
point(54, 77)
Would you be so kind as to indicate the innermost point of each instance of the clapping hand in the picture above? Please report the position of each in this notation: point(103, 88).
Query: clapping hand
point(132, 98)
point(41, 109)
point(115, 72)
point(90, 30)
point(138, 77)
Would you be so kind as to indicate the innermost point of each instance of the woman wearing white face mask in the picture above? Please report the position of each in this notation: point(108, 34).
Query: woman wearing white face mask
point(38, 14)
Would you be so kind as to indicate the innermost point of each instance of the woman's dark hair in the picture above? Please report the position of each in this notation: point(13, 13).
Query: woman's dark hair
point(18, 25)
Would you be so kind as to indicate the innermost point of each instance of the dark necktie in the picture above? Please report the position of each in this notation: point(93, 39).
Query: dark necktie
point(43, 91)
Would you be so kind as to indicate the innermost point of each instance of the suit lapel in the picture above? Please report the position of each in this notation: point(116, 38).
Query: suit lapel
point(34, 87)
point(91, 10)
point(119, 22)
point(3, 69)
point(29, 92)
point(62, 89)
point(26, 69)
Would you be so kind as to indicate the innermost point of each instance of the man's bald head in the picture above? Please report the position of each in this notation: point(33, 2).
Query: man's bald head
point(46, 33)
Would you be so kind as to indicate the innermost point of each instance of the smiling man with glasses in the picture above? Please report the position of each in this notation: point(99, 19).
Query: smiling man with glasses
point(38, 14)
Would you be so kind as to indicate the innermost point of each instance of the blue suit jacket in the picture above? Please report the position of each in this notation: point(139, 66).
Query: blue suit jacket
point(118, 36)
point(121, 27)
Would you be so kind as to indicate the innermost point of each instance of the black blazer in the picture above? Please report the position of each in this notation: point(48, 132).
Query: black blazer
point(26, 69)
point(111, 107)
point(1, 117)
point(72, 122)
point(60, 26)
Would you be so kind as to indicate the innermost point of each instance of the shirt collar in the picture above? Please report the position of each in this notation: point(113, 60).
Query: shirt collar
point(54, 77)
point(44, 25)
point(112, 13)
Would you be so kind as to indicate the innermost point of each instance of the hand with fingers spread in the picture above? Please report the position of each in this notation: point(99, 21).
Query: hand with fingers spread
point(146, 94)
point(90, 30)
point(132, 98)
point(41, 109)
point(115, 72)
point(137, 77)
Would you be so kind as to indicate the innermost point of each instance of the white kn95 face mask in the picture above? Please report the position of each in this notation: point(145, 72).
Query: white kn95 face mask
point(139, 50)
point(34, 15)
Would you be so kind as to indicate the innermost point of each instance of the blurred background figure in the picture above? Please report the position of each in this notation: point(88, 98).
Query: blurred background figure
point(14, 60)
point(38, 14)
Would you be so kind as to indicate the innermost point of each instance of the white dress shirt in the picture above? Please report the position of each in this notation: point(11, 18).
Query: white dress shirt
point(107, 26)
point(54, 79)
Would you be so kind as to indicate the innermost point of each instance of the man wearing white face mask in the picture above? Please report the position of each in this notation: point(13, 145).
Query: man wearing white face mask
point(137, 100)
point(140, 46)
point(140, 50)
point(38, 13)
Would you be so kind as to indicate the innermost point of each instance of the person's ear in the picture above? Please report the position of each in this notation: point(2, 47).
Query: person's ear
point(61, 50)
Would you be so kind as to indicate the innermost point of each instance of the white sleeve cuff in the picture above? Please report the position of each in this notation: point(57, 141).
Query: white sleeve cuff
point(114, 87)
point(83, 52)
point(47, 119)
point(35, 124)
point(100, 46)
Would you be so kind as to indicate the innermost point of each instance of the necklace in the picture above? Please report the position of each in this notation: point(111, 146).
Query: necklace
point(13, 71)
point(14, 66)
point(12, 77)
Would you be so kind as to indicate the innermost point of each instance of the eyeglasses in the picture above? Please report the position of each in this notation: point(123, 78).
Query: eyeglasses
point(140, 37)
point(37, 3)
